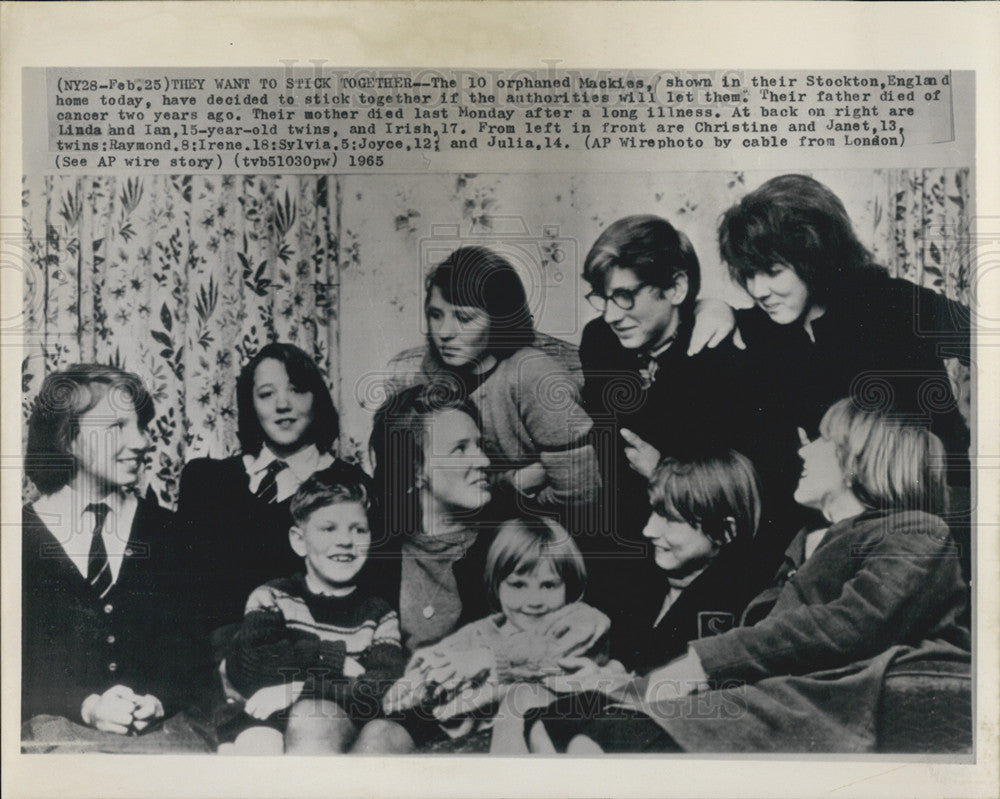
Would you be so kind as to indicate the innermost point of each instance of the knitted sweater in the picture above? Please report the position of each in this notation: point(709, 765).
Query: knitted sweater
point(531, 413)
point(290, 634)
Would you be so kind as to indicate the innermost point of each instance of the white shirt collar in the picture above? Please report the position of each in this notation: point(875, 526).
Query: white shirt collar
point(65, 514)
point(302, 464)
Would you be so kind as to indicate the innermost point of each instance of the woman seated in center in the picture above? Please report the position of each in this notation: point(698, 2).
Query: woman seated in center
point(434, 526)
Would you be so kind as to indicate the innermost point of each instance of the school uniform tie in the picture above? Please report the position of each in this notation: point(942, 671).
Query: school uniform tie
point(267, 491)
point(98, 566)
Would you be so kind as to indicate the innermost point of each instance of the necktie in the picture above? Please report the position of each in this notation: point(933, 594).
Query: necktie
point(98, 567)
point(267, 491)
point(647, 373)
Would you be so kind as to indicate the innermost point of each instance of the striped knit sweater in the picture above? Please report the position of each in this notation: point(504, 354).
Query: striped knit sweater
point(290, 634)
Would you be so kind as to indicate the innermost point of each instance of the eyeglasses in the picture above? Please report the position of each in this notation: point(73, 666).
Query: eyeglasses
point(623, 298)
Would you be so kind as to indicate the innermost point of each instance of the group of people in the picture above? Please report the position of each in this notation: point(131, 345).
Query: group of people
point(701, 531)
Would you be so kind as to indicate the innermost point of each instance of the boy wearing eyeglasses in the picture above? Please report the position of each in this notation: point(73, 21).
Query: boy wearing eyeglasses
point(648, 398)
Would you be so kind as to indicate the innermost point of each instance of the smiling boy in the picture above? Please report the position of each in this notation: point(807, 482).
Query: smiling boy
point(316, 645)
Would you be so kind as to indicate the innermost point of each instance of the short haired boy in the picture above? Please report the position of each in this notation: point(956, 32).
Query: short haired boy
point(316, 651)
point(108, 649)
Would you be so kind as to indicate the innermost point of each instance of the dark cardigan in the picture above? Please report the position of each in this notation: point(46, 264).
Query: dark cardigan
point(73, 643)
point(713, 603)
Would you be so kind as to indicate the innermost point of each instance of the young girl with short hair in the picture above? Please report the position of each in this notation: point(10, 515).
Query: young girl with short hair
point(533, 569)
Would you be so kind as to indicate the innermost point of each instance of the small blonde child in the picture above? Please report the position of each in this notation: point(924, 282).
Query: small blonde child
point(534, 573)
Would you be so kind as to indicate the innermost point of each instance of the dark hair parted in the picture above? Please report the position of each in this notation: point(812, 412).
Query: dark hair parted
point(398, 447)
point(522, 543)
point(650, 247)
point(718, 493)
point(323, 489)
point(480, 278)
point(796, 221)
point(54, 423)
point(305, 376)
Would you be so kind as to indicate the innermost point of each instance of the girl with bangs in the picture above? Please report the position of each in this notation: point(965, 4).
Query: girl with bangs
point(475, 676)
point(234, 513)
point(705, 513)
point(829, 322)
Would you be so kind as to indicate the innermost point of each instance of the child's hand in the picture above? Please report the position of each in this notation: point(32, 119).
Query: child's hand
point(680, 677)
point(642, 456)
point(148, 709)
point(268, 701)
point(454, 670)
point(353, 667)
point(406, 693)
point(467, 700)
point(110, 711)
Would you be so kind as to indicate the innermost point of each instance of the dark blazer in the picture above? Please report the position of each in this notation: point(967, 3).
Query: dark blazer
point(140, 635)
point(232, 541)
point(875, 580)
point(713, 603)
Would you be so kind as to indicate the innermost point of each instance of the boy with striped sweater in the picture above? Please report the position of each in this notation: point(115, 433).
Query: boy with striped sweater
point(316, 651)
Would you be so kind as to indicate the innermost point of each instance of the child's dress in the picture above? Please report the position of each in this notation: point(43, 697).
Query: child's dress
point(520, 656)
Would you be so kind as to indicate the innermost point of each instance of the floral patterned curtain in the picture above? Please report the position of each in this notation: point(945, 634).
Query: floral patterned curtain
point(922, 232)
point(179, 279)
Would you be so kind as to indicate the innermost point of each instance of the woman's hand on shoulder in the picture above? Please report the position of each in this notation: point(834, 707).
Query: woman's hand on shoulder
point(405, 694)
point(714, 320)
